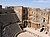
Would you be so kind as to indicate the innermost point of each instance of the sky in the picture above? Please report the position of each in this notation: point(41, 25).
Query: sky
point(27, 3)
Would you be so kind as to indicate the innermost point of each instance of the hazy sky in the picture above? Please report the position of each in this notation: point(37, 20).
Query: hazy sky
point(29, 3)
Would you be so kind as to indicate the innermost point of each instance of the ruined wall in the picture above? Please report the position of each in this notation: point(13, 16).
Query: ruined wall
point(38, 16)
point(19, 10)
point(9, 23)
point(22, 13)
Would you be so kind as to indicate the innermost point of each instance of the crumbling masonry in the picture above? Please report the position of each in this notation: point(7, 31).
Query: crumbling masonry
point(14, 18)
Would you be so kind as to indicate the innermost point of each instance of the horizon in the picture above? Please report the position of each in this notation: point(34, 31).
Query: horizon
point(26, 3)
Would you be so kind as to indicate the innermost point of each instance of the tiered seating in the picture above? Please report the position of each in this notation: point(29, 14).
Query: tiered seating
point(9, 23)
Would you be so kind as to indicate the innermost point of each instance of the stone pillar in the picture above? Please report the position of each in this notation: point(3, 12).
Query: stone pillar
point(0, 9)
point(0, 22)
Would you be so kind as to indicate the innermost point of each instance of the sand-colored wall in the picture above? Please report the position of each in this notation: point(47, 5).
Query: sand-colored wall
point(37, 16)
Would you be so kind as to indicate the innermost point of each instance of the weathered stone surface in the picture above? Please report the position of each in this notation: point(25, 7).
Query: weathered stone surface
point(7, 18)
point(11, 30)
point(9, 25)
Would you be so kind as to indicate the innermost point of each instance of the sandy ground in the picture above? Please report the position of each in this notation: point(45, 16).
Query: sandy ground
point(33, 33)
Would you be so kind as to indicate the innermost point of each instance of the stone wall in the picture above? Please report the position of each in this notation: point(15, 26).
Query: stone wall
point(9, 24)
point(19, 10)
point(38, 16)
